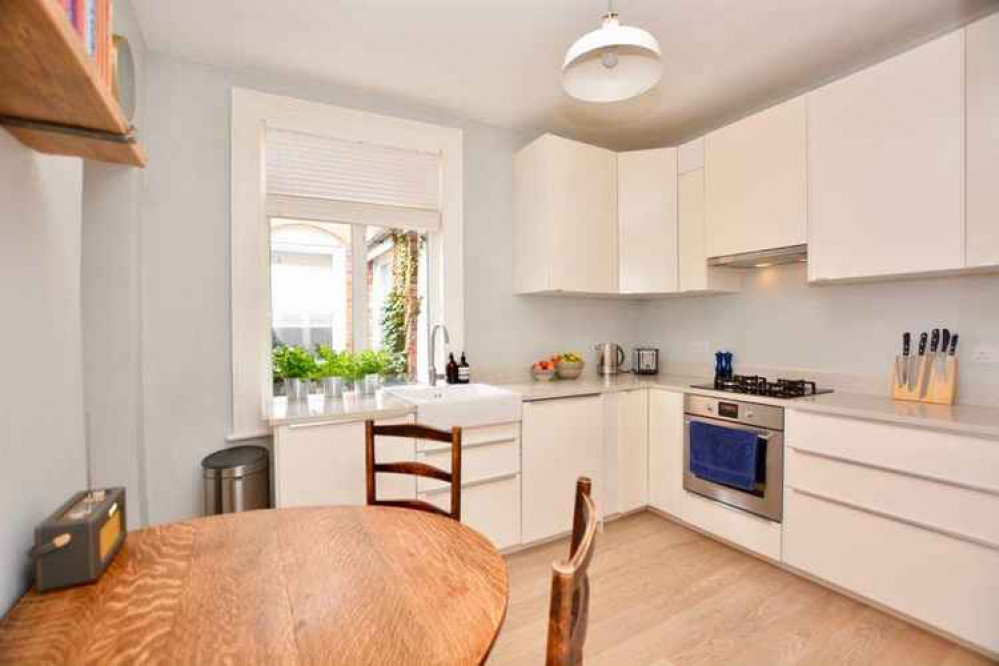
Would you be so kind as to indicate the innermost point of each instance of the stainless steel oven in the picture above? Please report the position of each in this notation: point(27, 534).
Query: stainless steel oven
point(766, 498)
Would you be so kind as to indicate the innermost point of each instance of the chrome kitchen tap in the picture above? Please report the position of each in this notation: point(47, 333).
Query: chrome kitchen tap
point(433, 349)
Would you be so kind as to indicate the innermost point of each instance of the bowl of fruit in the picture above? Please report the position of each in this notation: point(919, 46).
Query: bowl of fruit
point(568, 365)
point(543, 371)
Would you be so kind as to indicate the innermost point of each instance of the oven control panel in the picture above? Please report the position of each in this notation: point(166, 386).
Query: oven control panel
point(770, 417)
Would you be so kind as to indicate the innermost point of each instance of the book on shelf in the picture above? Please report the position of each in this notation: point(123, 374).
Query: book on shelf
point(92, 20)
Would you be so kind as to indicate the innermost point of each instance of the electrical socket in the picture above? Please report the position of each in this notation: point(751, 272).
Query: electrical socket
point(985, 354)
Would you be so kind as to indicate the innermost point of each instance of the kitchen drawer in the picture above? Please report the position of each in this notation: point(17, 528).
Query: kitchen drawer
point(479, 462)
point(744, 529)
point(945, 582)
point(492, 508)
point(955, 459)
point(482, 435)
point(959, 511)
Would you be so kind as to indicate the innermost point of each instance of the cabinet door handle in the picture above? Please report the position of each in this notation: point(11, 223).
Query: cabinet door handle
point(471, 484)
point(978, 541)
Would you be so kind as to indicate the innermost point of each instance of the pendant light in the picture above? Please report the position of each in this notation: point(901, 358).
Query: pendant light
point(613, 63)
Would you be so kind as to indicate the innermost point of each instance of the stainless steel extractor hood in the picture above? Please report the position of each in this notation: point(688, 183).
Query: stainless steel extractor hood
point(763, 258)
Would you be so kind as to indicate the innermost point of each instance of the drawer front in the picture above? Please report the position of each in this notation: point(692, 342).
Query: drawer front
point(936, 455)
point(476, 436)
point(744, 529)
point(492, 508)
point(945, 582)
point(479, 462)
point(322, 464)
point(955, 510)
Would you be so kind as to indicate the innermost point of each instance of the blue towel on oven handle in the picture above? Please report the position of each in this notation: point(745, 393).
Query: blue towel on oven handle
point(724, 455)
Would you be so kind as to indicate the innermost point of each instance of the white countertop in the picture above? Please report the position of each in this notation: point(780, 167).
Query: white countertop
point(349, 407)
point(972, 420)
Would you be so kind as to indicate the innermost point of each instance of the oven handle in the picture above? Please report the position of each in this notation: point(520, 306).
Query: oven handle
point(765, 435)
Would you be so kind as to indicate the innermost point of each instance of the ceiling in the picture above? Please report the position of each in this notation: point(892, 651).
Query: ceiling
point(499, 61)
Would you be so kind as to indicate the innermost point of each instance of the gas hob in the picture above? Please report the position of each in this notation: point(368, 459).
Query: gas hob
point(757, 385)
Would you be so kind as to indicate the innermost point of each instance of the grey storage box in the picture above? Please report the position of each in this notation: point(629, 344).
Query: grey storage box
point(236, 479)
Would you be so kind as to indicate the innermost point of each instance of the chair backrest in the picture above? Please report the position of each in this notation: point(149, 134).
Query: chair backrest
point(414, 431)
point(570, 602)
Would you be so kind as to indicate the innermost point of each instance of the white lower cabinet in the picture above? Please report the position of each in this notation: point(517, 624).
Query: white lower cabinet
point(743, 529)
point(317, 464)
point(665, 450)
point(946, 582)
point(490, 507)
point(902, 516)
point(490, 480)
point(561, 441)
point(625, 467)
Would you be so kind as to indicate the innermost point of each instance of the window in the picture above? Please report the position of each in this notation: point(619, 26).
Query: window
point(330, 196)
point(311, 281)
point(321, 296)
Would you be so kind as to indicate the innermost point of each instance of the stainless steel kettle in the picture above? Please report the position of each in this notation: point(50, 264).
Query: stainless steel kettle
point(610, 358)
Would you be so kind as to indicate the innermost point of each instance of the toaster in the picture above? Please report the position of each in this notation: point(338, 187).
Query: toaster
point(645, 360)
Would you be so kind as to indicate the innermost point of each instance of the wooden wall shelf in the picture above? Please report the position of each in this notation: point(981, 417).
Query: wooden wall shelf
point(53, 99)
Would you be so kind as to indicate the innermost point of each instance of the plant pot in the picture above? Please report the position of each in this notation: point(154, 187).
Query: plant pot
point(371, 383)
point(333, 386)
point(296, 388)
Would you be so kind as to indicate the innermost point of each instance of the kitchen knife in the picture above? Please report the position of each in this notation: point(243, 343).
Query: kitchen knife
point(914, 370)
point(906, 348)
point(941, 362)
point(935, 340)
point(953, 344)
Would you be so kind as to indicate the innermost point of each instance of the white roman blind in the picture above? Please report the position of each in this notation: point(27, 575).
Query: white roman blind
point(324, 178)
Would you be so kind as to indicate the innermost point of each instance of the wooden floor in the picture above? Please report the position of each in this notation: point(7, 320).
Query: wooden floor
point(665, 595)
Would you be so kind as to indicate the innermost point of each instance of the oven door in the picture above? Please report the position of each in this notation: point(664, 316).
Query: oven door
point(767, 500)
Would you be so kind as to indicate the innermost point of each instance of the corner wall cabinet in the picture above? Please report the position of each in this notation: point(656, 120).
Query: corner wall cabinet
point(53, 99)
point(646, 221)
point(694, 273)
point(886, 167)
point(565, 218)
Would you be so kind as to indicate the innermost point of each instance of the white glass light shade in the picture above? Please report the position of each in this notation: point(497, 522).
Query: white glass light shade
point(611, 64)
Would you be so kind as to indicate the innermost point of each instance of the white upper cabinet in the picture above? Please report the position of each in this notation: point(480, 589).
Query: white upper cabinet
point(647, 233)
point(755, 183)
point(695, 274)
point(565, 218)
point(886, 167)
point(983, 142)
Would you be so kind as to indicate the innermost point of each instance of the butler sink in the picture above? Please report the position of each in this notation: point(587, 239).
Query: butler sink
point(465, 405)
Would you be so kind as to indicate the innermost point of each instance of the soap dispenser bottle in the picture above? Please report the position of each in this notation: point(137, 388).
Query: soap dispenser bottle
point(464, 372)
point(451, 370)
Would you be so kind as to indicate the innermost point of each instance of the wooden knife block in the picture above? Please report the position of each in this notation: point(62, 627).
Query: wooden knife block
point(936, 380)
point(942, 382)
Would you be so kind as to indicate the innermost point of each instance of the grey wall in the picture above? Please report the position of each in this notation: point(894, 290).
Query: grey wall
point(111, 308)
point(183, 334)
point(42, 453)
point(780, 322)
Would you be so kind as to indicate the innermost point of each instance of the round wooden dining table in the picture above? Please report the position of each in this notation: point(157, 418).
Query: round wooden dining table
point(334, 585)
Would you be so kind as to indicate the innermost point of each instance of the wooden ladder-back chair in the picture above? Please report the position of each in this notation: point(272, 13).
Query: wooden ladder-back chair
point(570, 602)
point(414, 431)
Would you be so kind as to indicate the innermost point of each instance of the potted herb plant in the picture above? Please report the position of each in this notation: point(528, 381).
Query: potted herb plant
point(370, 367)
point(297, 367)
point(334, 370)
